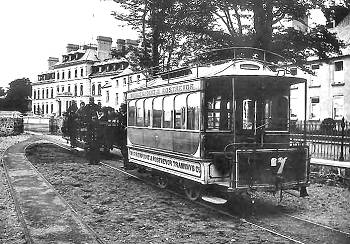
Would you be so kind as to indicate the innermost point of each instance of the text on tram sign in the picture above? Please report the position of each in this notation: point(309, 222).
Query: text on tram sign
point(159, 91)
point(183, 166)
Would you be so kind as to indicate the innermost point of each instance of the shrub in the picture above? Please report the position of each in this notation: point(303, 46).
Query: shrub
point(328, 126)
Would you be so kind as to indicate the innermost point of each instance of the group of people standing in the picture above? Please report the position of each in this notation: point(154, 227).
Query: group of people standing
point(98, 128)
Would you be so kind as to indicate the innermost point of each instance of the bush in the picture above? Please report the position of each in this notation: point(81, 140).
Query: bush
point(328, 126)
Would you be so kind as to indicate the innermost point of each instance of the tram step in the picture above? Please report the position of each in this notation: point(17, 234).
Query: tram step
point(214, 200)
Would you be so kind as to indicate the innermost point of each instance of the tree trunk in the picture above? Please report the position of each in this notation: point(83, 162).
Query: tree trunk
point(263, 24)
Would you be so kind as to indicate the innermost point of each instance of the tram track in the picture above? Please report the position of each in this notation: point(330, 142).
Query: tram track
point(279, 224)
point(19, 211)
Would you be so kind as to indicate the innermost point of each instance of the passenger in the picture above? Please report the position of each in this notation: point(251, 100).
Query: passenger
point(122, 136)
point(72, 123)
point(90, 117)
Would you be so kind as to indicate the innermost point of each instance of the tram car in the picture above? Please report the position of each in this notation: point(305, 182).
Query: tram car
point(104, 127)
point(219, 128)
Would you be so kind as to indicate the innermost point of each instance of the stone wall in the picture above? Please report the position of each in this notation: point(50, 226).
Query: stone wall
point(10, 126)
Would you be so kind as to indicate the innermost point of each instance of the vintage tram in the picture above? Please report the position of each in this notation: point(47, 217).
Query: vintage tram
point(219, 127)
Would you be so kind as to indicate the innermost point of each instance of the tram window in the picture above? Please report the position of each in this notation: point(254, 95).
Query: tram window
point(276, 113)
point(193, 104)
point(148, 111)
point(180, 111)
point(168, 106)
point(131, 113)
point(157, 112)
point(248, 114)
point(140, 112)
point(219, 113)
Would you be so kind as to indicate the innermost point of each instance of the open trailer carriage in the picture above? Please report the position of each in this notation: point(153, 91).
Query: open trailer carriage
point(220, 127)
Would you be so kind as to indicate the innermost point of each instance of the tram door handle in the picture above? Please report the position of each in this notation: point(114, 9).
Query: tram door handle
point(156, 140)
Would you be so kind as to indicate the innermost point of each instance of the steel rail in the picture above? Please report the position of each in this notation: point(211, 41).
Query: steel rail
point(77, 215)
point(208, 206)
point(218, 210)
point(18, 208)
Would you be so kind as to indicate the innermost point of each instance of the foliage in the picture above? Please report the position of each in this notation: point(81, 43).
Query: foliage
point(174, 30)
point(327, 125)
point(17, 96)
point(2, 92)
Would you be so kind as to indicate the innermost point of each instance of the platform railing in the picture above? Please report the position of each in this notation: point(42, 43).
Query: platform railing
point(269, 59)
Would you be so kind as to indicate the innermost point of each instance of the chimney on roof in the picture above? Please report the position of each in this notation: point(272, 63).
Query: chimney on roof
point(52, 61)
point(120, 45)
point(104, 46)
point(72, 47)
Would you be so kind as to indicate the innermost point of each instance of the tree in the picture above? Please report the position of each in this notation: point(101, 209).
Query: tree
point(2, 92)
point(17, 95)
point(184, 27)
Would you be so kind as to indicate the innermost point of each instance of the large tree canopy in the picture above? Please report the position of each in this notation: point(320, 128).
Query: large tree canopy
point(172, 30)
point(17, 96)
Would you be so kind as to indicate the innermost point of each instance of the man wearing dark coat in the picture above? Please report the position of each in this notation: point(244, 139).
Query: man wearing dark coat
point(90, 114)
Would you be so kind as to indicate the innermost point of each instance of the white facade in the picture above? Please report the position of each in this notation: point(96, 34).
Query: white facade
point(82, 73)
point(328, 91)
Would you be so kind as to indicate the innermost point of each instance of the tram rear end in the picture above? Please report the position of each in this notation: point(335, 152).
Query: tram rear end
point(247, 135)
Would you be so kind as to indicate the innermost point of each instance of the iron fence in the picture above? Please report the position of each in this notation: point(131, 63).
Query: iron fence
point(328, 139)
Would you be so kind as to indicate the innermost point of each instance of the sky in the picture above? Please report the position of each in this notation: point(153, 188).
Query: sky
point(34, 30)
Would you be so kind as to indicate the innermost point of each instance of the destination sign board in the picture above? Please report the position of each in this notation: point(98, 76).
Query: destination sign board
point(166, 90)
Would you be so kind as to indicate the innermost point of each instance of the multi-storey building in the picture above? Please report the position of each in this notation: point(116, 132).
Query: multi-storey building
point(83, 72)
point(328, 86)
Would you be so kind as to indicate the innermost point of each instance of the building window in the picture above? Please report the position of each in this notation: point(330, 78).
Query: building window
point(68, 74)
point(58, 75)
point(338, 72)
point(34, 95)
point(117, 83)
point(338, 107)
point(75, 73)
point(107, 96)
point(82, 72)
point(51, 92)
point(81, 89)
point(315, 66)
point(47, 108)
point(116, 100)
point(124, 81)
point(138, 79)
point(315, 108)
point(42, 93)
point(68, 88)
point(62, 88)
point(93, 89)
point(293, 71)
point(124, 96)
point(62, 75)
point(51, 107)
point(99, 89)
point(338, 66)
point(75, 90)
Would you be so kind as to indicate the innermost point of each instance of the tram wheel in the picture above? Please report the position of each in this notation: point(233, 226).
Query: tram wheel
point(193, 192)
point(162, 181)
